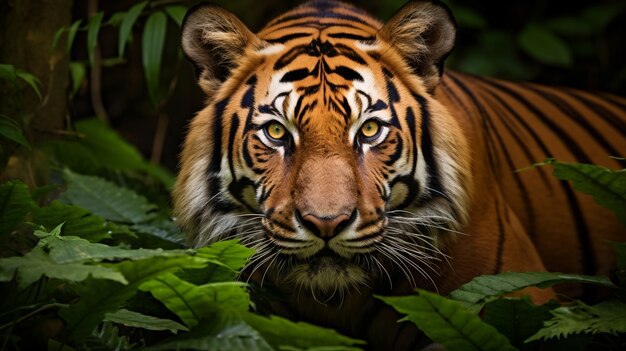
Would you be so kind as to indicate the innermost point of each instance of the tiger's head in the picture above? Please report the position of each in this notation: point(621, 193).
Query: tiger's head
point(322, 145)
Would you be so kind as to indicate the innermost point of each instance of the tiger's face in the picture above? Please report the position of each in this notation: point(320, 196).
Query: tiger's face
point(322, 149)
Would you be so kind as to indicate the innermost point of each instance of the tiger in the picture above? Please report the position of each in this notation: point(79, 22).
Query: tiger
point(338, 148)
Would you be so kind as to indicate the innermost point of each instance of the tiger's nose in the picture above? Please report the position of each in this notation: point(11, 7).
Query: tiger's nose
point(326, 227)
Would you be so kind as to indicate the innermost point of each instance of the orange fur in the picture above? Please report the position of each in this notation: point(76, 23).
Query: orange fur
point(431, 202)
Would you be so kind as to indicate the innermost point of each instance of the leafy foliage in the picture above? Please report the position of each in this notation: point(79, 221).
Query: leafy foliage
point(484, 288)
point(448, 323)
point(14, 205)
point(607, 187)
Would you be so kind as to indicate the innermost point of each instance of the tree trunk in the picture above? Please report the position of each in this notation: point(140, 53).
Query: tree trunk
point(28, 30)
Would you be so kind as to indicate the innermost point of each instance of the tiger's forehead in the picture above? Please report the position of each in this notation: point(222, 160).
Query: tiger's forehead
point(317, 72)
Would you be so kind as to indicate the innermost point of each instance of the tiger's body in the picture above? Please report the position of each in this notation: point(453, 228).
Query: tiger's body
point(336, 146)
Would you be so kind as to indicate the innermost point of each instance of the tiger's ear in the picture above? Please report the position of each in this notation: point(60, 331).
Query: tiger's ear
point(213, 39)
point(424, 33)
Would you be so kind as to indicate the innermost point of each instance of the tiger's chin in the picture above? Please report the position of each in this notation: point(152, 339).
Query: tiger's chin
point(325, 276)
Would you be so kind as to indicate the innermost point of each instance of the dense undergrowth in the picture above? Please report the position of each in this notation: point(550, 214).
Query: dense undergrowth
point(93, 261)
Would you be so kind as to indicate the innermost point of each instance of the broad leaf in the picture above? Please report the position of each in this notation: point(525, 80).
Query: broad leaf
point(77, 73)
point(224, 332)
point(176, 13)
point(607, 187)
point(98, 297)
point(606, 317)
point(9, 129)
point(30, 79)
point(93, 28)
point(36, 264)
point(538, 42)
point(191, 302)
point(487, 287)
point(127, 25)
point(113, 152)
point(105, 338)
point(447, 322)
point(153, 40)
point(163, 229)
point(76, 221)
point(138, 320)
point(282, 333)
point(71, 34)
point(517, 319)
point(71, 249)
point(106, 199)
point(15, 202)
point(228, 257)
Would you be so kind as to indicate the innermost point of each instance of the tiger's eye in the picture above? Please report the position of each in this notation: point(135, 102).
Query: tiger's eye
point(275, 130)
point(370, 128)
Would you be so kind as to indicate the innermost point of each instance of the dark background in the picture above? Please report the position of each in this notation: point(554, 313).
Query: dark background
point(494, 39)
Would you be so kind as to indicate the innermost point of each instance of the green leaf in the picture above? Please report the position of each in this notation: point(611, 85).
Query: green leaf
point(190, 302)
point(93, 27)
point(599, 16)
point(228, 257)
point(138, 320)
point(487, 287)
point(7, 72)
point(57, 37)
point(71, 34)
point(12, 131)
point(116, 18)
point(15, 202)
point(447, 322)
point(282, 333)
point(606, 317)
point(224, 332)
point(607, 187)
point(105, 338)
point(35, 264)
point(517, 319)
point(77, 73)
point(127, 25)
point(113, 152)
point(106, 199)
point(152, 52)
point(542, 45)
point(176, 13)
point(30, 79)
point(98, 297)
point(163, 229)
point(76, 221)
point(71, 249)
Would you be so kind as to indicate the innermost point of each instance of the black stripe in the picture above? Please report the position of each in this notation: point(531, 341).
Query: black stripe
point(504, 148)
point(501, 237)
point(349, 53)
point(428, 149)
point(215, 163)
point(569, 142)
point(348, 73)
point(295, 75)
point(288, 37)
point(234, 125)
point(352, 36)
point(483, 115)
point(568, 110)
point(289, 56)
point(397, 153)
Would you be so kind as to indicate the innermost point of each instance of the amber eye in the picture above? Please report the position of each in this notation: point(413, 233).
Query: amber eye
point(370, 129)
point(275, 131)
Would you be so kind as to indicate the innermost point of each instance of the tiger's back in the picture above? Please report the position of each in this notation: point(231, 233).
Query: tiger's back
point(520, 124)
point(337, 147)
